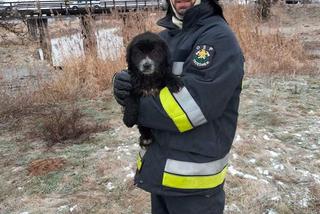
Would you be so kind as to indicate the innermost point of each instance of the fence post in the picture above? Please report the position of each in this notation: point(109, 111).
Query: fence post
point(125, 6)
point(44, 36)
point(88, 33)
point(32, 28)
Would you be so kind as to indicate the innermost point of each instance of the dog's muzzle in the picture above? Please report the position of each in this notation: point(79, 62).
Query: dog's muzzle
point(147, 66)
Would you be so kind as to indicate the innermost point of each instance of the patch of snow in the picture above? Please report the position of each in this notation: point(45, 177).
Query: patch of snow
point(232, 208)
point(73, 207)
point(280, 183)
point(266, 137)
point(235, 156)
point(276, 198)
point(131, 174)
point(235, 172)
point(63, 207)
point(309, 156)
point(24, 213)
point(273, 154)
point(304, 202)
point(127, 168)
point(238, 138)
point(278, 167)
point(20, 188)
point(304, 173)
point(252, 160)
point(110, 186)
point(269, 176)
point(263, 172)
point(259, 170)
point(311, 112)
point(107, 148)
point(270, 211)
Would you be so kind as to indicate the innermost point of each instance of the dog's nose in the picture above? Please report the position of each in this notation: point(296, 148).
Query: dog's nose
point(147, 65)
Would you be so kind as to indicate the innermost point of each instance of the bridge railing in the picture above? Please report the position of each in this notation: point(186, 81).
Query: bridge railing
point(77, 4)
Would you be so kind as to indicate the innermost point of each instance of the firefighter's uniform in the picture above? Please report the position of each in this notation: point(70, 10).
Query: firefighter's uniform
point(193, 129)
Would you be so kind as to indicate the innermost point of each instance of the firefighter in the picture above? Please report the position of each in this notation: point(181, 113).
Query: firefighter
point(185, 167)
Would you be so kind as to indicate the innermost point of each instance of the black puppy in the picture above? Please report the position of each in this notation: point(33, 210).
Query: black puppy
point(149, 65)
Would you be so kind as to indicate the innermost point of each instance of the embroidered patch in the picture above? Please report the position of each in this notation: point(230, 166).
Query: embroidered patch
point(203, 56)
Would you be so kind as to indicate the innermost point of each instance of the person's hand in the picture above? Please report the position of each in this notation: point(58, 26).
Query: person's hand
point(121, 86)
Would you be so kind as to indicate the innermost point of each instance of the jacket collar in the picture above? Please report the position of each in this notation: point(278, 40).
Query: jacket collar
point(195, 16)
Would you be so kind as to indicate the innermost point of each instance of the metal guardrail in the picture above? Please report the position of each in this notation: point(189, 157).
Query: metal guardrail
point(19, 9)
point(47, 4)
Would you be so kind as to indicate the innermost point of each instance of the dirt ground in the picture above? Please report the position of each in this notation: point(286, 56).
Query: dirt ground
point(274, 167)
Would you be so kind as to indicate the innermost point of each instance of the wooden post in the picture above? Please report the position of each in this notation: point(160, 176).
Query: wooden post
point(44, 39)
point(32, 28)
point(89, 36)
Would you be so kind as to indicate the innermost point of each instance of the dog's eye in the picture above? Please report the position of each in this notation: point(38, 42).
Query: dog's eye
point(156, 52)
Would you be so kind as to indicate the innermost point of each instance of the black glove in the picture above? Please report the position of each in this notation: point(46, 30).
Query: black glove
point(121, 86)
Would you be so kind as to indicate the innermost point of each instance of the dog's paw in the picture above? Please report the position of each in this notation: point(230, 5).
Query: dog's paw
point(175, 85)
point(144, 142)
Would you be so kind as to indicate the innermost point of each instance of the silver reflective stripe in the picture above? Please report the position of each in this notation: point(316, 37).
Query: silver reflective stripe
point(177, 68)
point(190, 107)
point(191, 168)
point(142, 152)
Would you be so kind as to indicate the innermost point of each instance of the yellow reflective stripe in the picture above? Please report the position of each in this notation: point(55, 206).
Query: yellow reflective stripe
point(174, 111)
point(139, 162)
point(194, 182)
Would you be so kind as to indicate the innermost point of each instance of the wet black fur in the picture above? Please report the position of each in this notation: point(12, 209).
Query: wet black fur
point(147, 44)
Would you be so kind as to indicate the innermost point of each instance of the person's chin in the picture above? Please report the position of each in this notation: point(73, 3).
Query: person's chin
point(182, 12)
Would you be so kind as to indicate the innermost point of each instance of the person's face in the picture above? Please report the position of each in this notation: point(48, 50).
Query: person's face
point(182, 6)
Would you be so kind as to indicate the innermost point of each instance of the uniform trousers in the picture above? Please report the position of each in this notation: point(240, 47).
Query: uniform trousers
point(196, 204)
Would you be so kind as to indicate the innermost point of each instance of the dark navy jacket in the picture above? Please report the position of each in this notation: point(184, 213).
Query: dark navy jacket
point(194, 129)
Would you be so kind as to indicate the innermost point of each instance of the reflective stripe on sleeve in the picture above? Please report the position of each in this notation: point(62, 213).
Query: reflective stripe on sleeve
point(193, 182)
point(177, 68)
point(174, 111)
point(191, 108)
point(190, 175)
point(182, 109)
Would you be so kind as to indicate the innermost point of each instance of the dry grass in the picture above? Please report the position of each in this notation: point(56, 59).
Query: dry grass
point(87, 77)
point(266, 50)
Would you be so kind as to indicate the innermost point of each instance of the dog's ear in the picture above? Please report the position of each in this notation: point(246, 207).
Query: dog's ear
point(167, 52)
